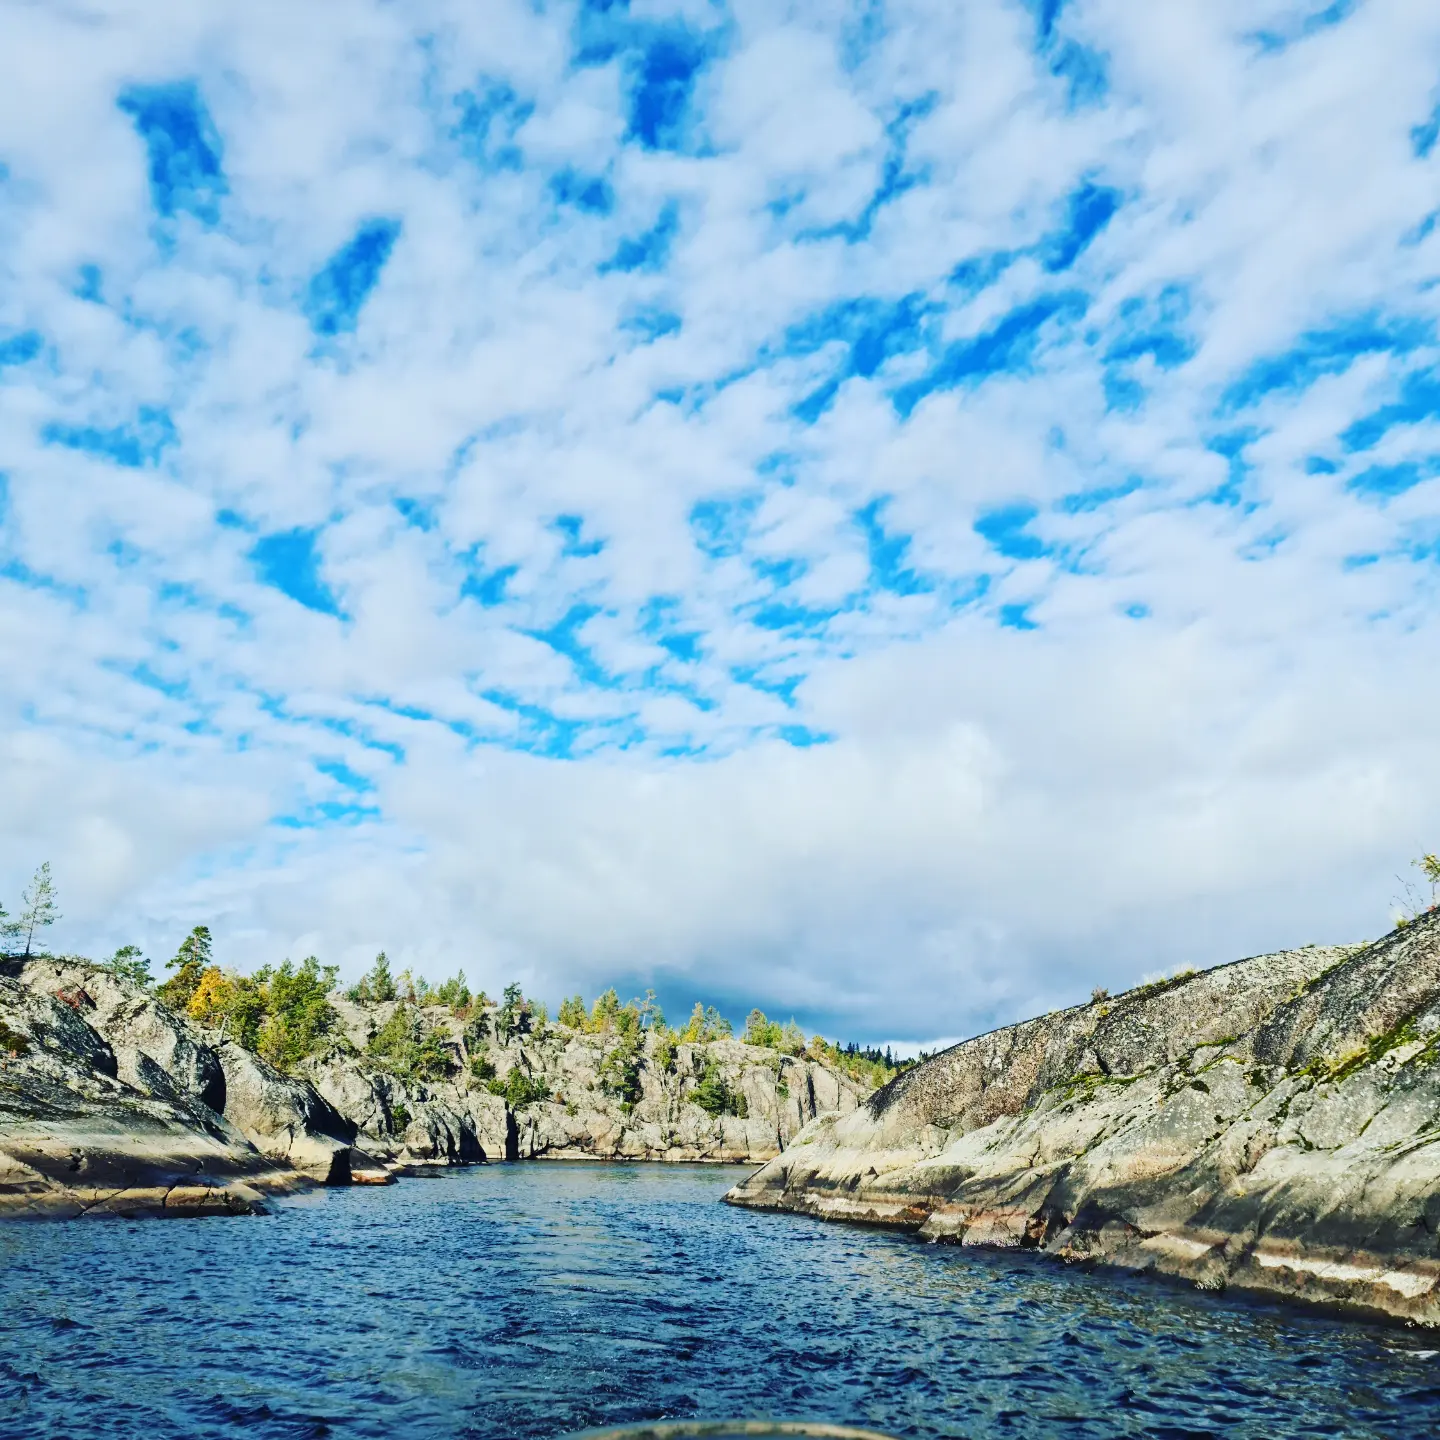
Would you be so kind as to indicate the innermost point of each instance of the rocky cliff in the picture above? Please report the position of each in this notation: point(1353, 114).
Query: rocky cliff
point(110, 1102)
point(1271, 1125)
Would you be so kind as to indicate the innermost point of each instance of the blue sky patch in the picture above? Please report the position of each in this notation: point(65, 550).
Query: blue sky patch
point(134, 446)
point(1424, 135)
point(650, 323)
point(590, 193)
point(490, 116)
point(1153, 327)
point(888, 553)
point(1384, 482)
point(650, 250)
point(1088, 210)
point(342, 774)
point(1238, 466)
point(334, 298)
point(542, 731)
point(574, 545)
point(488, 586)
point(20, 347)
point(793, 618)
point(721, 526)
point(288, 561)
point(1008, 347)
point(1419, 400)
point(1016, 617)
point(1079, 502)
point(563, 637)
point(802, 737)
point(183, 146)
point(895, 176)
point(1276, 39)
point(419, 513)
point(660, 89)
point(1006, 529)
point(1329, 351)
point(327, 812)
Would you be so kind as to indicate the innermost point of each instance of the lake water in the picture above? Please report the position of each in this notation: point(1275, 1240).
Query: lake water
point(539, 1299)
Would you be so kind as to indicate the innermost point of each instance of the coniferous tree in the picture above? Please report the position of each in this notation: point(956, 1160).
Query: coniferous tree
point(129, 964)
point(377, 984)
point(40, 908)
point(191, 961)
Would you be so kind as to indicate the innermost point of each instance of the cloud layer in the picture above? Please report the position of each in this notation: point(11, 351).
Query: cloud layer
point(896, 512)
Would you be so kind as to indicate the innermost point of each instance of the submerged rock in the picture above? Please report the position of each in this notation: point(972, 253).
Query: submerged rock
point(1271, 1125)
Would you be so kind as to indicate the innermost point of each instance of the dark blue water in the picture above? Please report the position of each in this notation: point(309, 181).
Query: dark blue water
point(533, 1300)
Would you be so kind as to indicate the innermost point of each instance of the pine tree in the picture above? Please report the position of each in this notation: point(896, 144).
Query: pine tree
point(129, 964)
point(39, 911)
point(191, 961)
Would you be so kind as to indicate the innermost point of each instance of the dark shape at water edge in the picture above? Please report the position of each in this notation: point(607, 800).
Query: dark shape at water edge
point(1270, 1126)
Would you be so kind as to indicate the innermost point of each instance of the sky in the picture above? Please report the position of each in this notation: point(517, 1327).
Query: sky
point(890, 511)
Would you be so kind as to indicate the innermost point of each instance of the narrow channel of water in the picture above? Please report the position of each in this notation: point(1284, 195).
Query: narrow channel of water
point(539, 1299)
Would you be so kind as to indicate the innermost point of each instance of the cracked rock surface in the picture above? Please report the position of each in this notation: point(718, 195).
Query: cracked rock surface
point(1271, 1125)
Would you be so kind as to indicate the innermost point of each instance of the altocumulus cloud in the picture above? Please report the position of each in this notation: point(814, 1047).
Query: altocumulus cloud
point(898, 513)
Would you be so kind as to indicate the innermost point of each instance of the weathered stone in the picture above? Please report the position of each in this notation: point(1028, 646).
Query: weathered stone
point(341, 1117)
point(76, 1140)
point(284, 1118)
point(136, 1025)
point(1272, 1125)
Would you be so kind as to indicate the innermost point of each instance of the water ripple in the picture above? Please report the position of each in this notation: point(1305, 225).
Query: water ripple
point(533, 1300)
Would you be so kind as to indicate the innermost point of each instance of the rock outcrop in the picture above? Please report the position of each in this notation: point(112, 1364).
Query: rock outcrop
point(1271, 1125)
point(111, 1101)
point(78, 1139)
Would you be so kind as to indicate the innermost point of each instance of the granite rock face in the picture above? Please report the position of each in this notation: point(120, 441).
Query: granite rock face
point(1271, 1125)
point(77, 1139)
point(100, 1080)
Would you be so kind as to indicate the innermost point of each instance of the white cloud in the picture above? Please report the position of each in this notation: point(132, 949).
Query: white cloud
point(1216, 740)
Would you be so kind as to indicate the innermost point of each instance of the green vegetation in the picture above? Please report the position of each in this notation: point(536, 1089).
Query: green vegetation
point(411, 1048)
point(376, 985)
point(512, 1015)
point(519, 1088)
point(715, 1097)
point(40, 911)
point(705, 1024)
point(1375, 1048)
point(127, 963)
point(190, 962)
point(788, 1038)
point(1415, 903)
point(619, 1071)
point(283, 1013)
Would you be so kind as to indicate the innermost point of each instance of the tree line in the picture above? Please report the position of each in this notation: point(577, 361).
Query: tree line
point(286, 1013)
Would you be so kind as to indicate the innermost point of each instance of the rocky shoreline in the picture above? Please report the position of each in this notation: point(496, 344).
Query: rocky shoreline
point(111, 1103)
point(1271, 1126)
